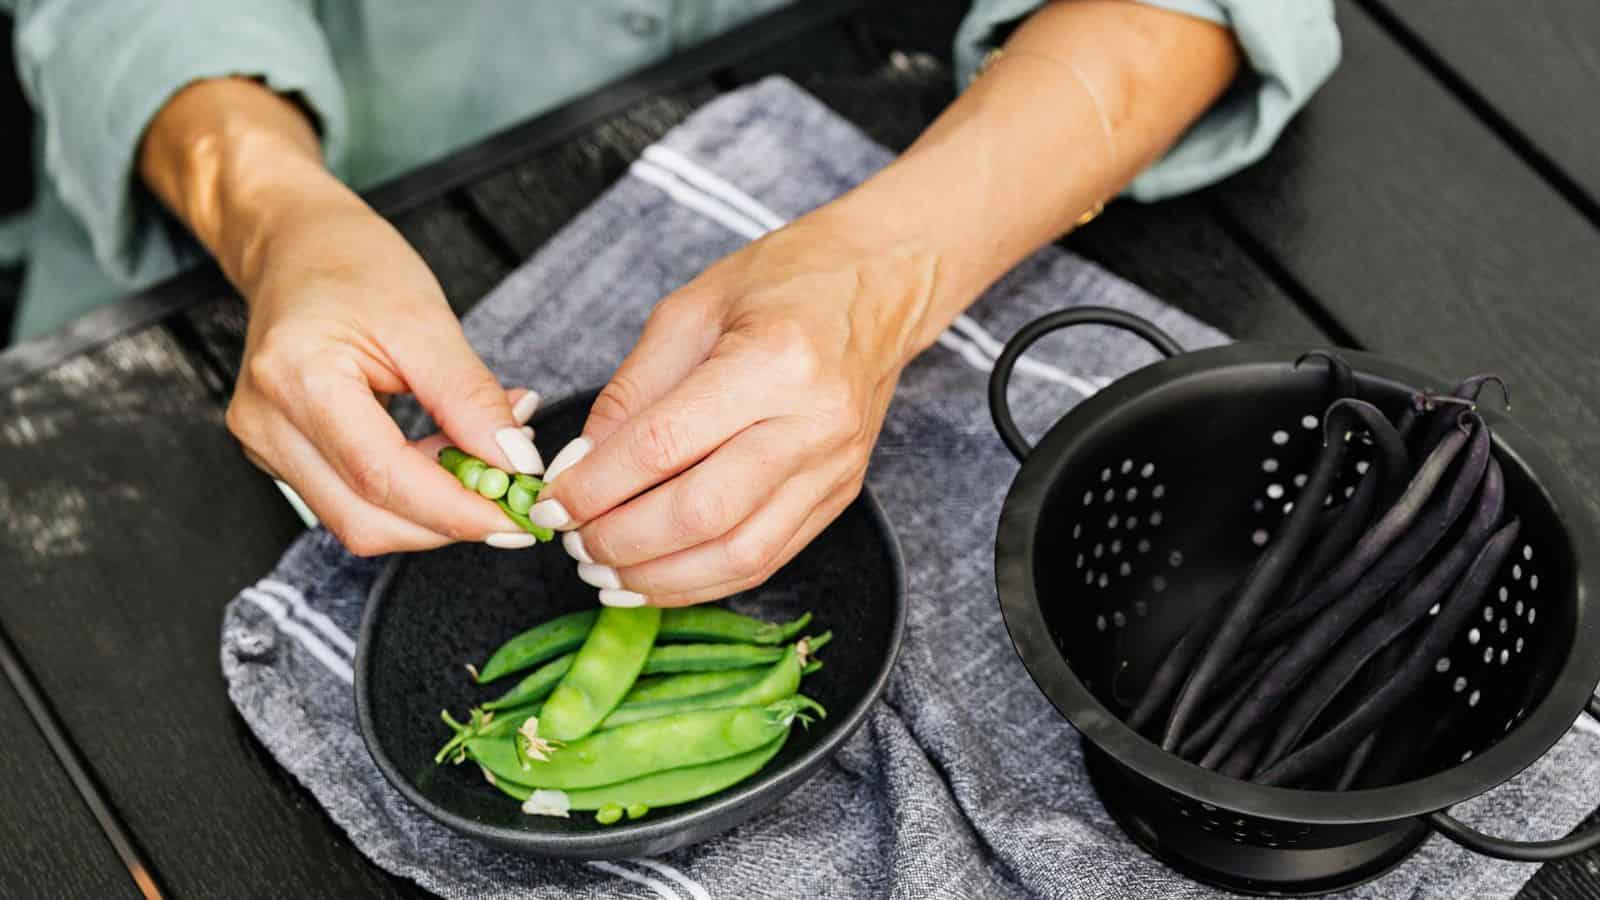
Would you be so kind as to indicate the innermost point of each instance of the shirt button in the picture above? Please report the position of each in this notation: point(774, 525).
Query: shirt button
point(641, 24)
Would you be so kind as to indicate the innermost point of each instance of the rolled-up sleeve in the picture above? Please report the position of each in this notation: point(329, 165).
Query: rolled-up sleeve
point(97, 72)
point(1290, 48)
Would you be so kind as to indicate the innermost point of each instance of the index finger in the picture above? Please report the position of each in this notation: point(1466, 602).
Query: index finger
point(353, 433)
point(717, 401)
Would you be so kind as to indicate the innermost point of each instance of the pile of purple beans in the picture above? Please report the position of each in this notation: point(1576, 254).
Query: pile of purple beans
point(1289, 679)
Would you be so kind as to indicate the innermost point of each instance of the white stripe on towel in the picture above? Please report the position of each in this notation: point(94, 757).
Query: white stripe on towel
point(696, 892)
point(324, 654)
point(662, 891)
point(722, 201)
point(316, 618)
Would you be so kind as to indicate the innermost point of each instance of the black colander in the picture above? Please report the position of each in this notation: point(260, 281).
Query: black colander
point(1144, 502)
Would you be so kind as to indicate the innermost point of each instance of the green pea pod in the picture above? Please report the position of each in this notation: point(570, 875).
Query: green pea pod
point(660, 789)
point(633, 751)
point(484, 724)
point(603, 671)
point(719, 657)
point(689, 684)
point(781, 679)
point(724, 626)
point(536, 645)
point(539, 531)
point(536, 686)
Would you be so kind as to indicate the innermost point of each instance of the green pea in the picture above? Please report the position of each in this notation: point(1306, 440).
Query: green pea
point(469, 472)
point(608, 814)
point(780, 680)
point(543, 642)
point(452, 458)
point(661, 789)
point(519, 498)
point(492, 484)
point(604, 670)
point(643, 748)
point(689, 684)
point(724, 626)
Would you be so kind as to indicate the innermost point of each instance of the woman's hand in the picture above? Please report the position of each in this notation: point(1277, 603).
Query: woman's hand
point(342, 313)
point(741, 423)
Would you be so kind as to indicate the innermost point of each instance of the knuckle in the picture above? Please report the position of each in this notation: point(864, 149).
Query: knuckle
point(700, 514)
point(657, 447)
point(748, 556)
point(612, 404)
point(369, 478)
point(271, 373)
point(482, 393)
point(793, 352)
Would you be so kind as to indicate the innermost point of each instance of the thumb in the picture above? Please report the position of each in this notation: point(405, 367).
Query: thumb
point(471, 408)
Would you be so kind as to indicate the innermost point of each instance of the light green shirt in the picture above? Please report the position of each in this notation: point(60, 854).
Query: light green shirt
point(395, 84)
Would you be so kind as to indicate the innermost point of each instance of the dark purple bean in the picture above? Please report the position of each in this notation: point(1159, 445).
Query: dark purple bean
point(1407, 421)
point(1258, 587)
point(1468, 390)
point(1390, 526)
point(1335, 541)
point(1392, 453)
point(1342, 381)
point(1201, 738)
point(1175, 663)
point(1355, 762)
point(1383, 631)
point(1242, 761)
point(1412, 676)
point(1319, 638)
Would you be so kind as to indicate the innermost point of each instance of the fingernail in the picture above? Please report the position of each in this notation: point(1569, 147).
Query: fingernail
point(572, 541)
point(528, 430)
point(549, 514)
point(525, 406)
point(599, 576)
point(519, 449)
point(568, 457)
point(511, 540)
point(618, 597)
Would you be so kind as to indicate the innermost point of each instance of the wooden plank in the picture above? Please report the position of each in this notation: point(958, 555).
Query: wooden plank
point(1532, 67)
point(49, 843)
point(1430, 241)
point(531, 201)
point(444, 233)
point(127, 519)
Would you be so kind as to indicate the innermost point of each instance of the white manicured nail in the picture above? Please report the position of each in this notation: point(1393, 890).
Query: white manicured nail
point(599, 576)
point(568, 457)
point(528, 430)
point(573, 542)
point(525, 407)
point(549, 514)
point(519, 449)
point(617, 597)
point(511, 540)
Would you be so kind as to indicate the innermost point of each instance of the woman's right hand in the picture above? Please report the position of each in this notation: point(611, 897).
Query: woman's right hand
point(342, 313)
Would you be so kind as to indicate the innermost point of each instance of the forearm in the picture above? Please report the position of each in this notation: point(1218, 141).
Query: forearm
point(235, 161)
point(1085, 95)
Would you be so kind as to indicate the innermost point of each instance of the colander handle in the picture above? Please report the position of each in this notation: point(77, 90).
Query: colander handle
point(1519, 851)
point(1000, 377)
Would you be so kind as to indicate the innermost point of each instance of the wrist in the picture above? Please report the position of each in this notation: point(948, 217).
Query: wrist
point(238, 165)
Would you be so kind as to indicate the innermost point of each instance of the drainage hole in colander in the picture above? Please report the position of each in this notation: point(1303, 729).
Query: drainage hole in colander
point(1443, 665)
point(1460, 684)
point(1158, 584)
point(1259, 537)
point(1269, 465)
point(1280, 437)
point(1309, 422)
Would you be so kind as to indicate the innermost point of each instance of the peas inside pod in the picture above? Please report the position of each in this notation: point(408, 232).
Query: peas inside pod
point(629, 710)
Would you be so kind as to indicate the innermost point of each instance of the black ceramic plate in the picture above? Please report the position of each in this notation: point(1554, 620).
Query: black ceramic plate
point(432, 612)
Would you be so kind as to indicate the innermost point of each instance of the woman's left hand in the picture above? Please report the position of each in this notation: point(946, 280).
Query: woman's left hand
point(741, 423)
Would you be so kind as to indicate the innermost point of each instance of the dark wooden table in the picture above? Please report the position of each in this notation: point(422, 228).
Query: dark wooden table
point(1438, 202)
